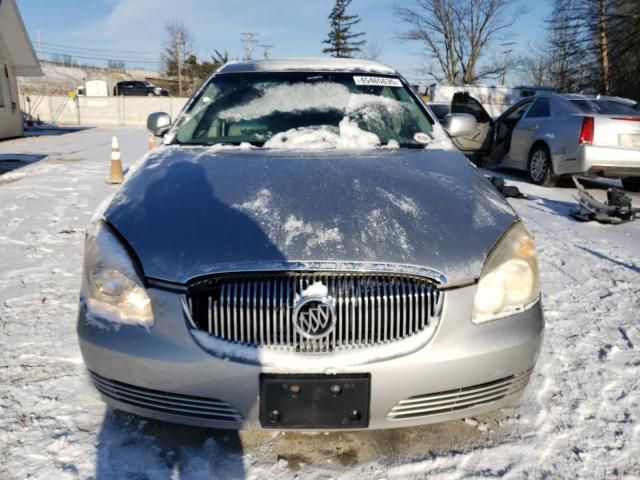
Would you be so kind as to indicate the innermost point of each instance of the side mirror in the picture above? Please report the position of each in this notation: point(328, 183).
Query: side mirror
point(158, 123)
point(459, 124)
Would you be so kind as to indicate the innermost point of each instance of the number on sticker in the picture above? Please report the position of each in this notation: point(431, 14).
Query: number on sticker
point(377, 81)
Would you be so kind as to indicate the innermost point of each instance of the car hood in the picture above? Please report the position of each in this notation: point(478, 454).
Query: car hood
point(188, 211)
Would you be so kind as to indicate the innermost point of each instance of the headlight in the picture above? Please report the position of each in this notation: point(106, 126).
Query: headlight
point(111, 287)
point(509, 280)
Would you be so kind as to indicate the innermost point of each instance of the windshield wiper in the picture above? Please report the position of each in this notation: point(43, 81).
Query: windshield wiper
point(412, 145)
point(255, 143)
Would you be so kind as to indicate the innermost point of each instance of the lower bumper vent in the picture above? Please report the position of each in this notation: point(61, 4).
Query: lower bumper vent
point(170, 403)
point(458, 399)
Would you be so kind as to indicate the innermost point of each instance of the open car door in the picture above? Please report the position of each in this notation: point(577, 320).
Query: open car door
point(507, 132)
point(479, 142)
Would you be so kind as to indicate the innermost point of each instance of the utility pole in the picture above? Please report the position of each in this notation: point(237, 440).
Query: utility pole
point(40, 46)
point(506, 52)
point(265, 51)
point(179, 41)
point(249, 40)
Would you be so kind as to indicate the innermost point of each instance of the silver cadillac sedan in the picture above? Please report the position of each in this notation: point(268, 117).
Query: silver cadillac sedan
point(308, 250)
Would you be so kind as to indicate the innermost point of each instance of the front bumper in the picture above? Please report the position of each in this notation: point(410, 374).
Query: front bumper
point(163, 373)
point(615, 162)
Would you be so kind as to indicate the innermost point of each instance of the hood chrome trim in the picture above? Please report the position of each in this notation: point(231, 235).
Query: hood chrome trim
point(327, 266)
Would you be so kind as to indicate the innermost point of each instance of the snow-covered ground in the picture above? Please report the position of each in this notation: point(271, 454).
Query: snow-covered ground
point(578, 417)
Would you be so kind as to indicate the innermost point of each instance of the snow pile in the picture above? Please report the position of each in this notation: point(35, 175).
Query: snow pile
point(316, 289)
point(221, 147)
point(350, 136)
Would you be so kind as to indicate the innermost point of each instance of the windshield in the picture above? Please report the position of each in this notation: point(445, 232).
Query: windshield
point(605, 107)
point(305, 110)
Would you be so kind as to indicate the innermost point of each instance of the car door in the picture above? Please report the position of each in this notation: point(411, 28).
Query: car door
point(139, 88)
point(526, 131)
point(504, 127)
point(126, 88)
point(478, 143)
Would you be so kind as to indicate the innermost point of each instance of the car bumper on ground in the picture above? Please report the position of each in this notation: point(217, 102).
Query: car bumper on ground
point(162, 373)
point(606, 161)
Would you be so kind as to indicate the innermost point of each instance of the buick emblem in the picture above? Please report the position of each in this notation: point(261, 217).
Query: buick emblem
point(314, 317)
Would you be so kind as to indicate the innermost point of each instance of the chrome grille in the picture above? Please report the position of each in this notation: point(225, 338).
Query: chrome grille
point(173, 403)
point(458, 399)
point(371, 309)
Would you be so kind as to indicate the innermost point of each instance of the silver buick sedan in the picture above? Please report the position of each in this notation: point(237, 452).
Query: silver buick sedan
point(308, 250)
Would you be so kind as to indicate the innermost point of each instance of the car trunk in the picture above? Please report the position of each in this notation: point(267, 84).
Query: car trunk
point(617, 131)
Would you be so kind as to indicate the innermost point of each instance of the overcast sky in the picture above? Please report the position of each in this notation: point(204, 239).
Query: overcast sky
point(132, 30)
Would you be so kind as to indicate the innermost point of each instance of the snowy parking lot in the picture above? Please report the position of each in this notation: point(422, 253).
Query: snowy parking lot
point(578, 418)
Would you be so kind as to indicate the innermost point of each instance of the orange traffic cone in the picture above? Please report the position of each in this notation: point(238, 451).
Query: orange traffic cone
point(116, 176)
point(151, 144)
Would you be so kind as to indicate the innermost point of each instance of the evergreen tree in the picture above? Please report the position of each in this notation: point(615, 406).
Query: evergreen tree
point(342, 42)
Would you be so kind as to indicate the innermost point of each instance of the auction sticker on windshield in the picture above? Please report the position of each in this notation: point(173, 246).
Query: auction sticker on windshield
point(377, 81)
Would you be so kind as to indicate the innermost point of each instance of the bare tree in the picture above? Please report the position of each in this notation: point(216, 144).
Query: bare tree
point(456, 35)
point(535, 67)
point(595, 45)
point(178, 47)
point(372, 50)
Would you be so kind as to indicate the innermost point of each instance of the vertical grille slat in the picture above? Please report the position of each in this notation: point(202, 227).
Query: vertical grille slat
point(361, 335)
point(385, 311)
point(209, 314)
point(241, 314)
point(371, 309)
point(268, 312)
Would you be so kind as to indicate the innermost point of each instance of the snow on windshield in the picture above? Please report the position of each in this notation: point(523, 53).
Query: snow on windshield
point(321, 97)
point(375, 112)
point(349, 136)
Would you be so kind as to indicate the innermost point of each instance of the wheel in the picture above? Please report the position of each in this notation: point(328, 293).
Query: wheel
point(631, 183)
point(540, 169)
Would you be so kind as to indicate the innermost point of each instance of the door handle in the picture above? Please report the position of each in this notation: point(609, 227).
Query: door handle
point(533, 127)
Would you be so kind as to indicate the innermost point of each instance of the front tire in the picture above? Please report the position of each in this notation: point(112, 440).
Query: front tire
point(540, 168)
point(632, 184)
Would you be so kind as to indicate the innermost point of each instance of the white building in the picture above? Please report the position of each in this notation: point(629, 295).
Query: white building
point(17, 57)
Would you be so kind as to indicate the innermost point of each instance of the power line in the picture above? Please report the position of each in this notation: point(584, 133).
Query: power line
point(99, 50)
point(97, 56)
point(49, 52)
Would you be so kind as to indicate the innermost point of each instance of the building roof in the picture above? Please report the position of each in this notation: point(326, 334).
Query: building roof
point(15, 38)
point(326, 64)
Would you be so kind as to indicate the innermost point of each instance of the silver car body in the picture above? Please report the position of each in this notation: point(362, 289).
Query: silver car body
point(613, 152)
point(191, 215)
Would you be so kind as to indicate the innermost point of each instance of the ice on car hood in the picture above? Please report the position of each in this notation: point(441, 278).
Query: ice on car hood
point(190, 211)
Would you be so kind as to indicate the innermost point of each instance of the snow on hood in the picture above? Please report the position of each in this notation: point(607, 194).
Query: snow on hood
point(190, 211)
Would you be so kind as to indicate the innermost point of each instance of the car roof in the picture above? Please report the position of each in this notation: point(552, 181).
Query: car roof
point(586, 96)
point(308, 65)
point(597, 96)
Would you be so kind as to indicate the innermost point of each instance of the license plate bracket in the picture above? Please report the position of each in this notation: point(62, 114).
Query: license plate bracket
point(315, 401)
point(631, 140)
